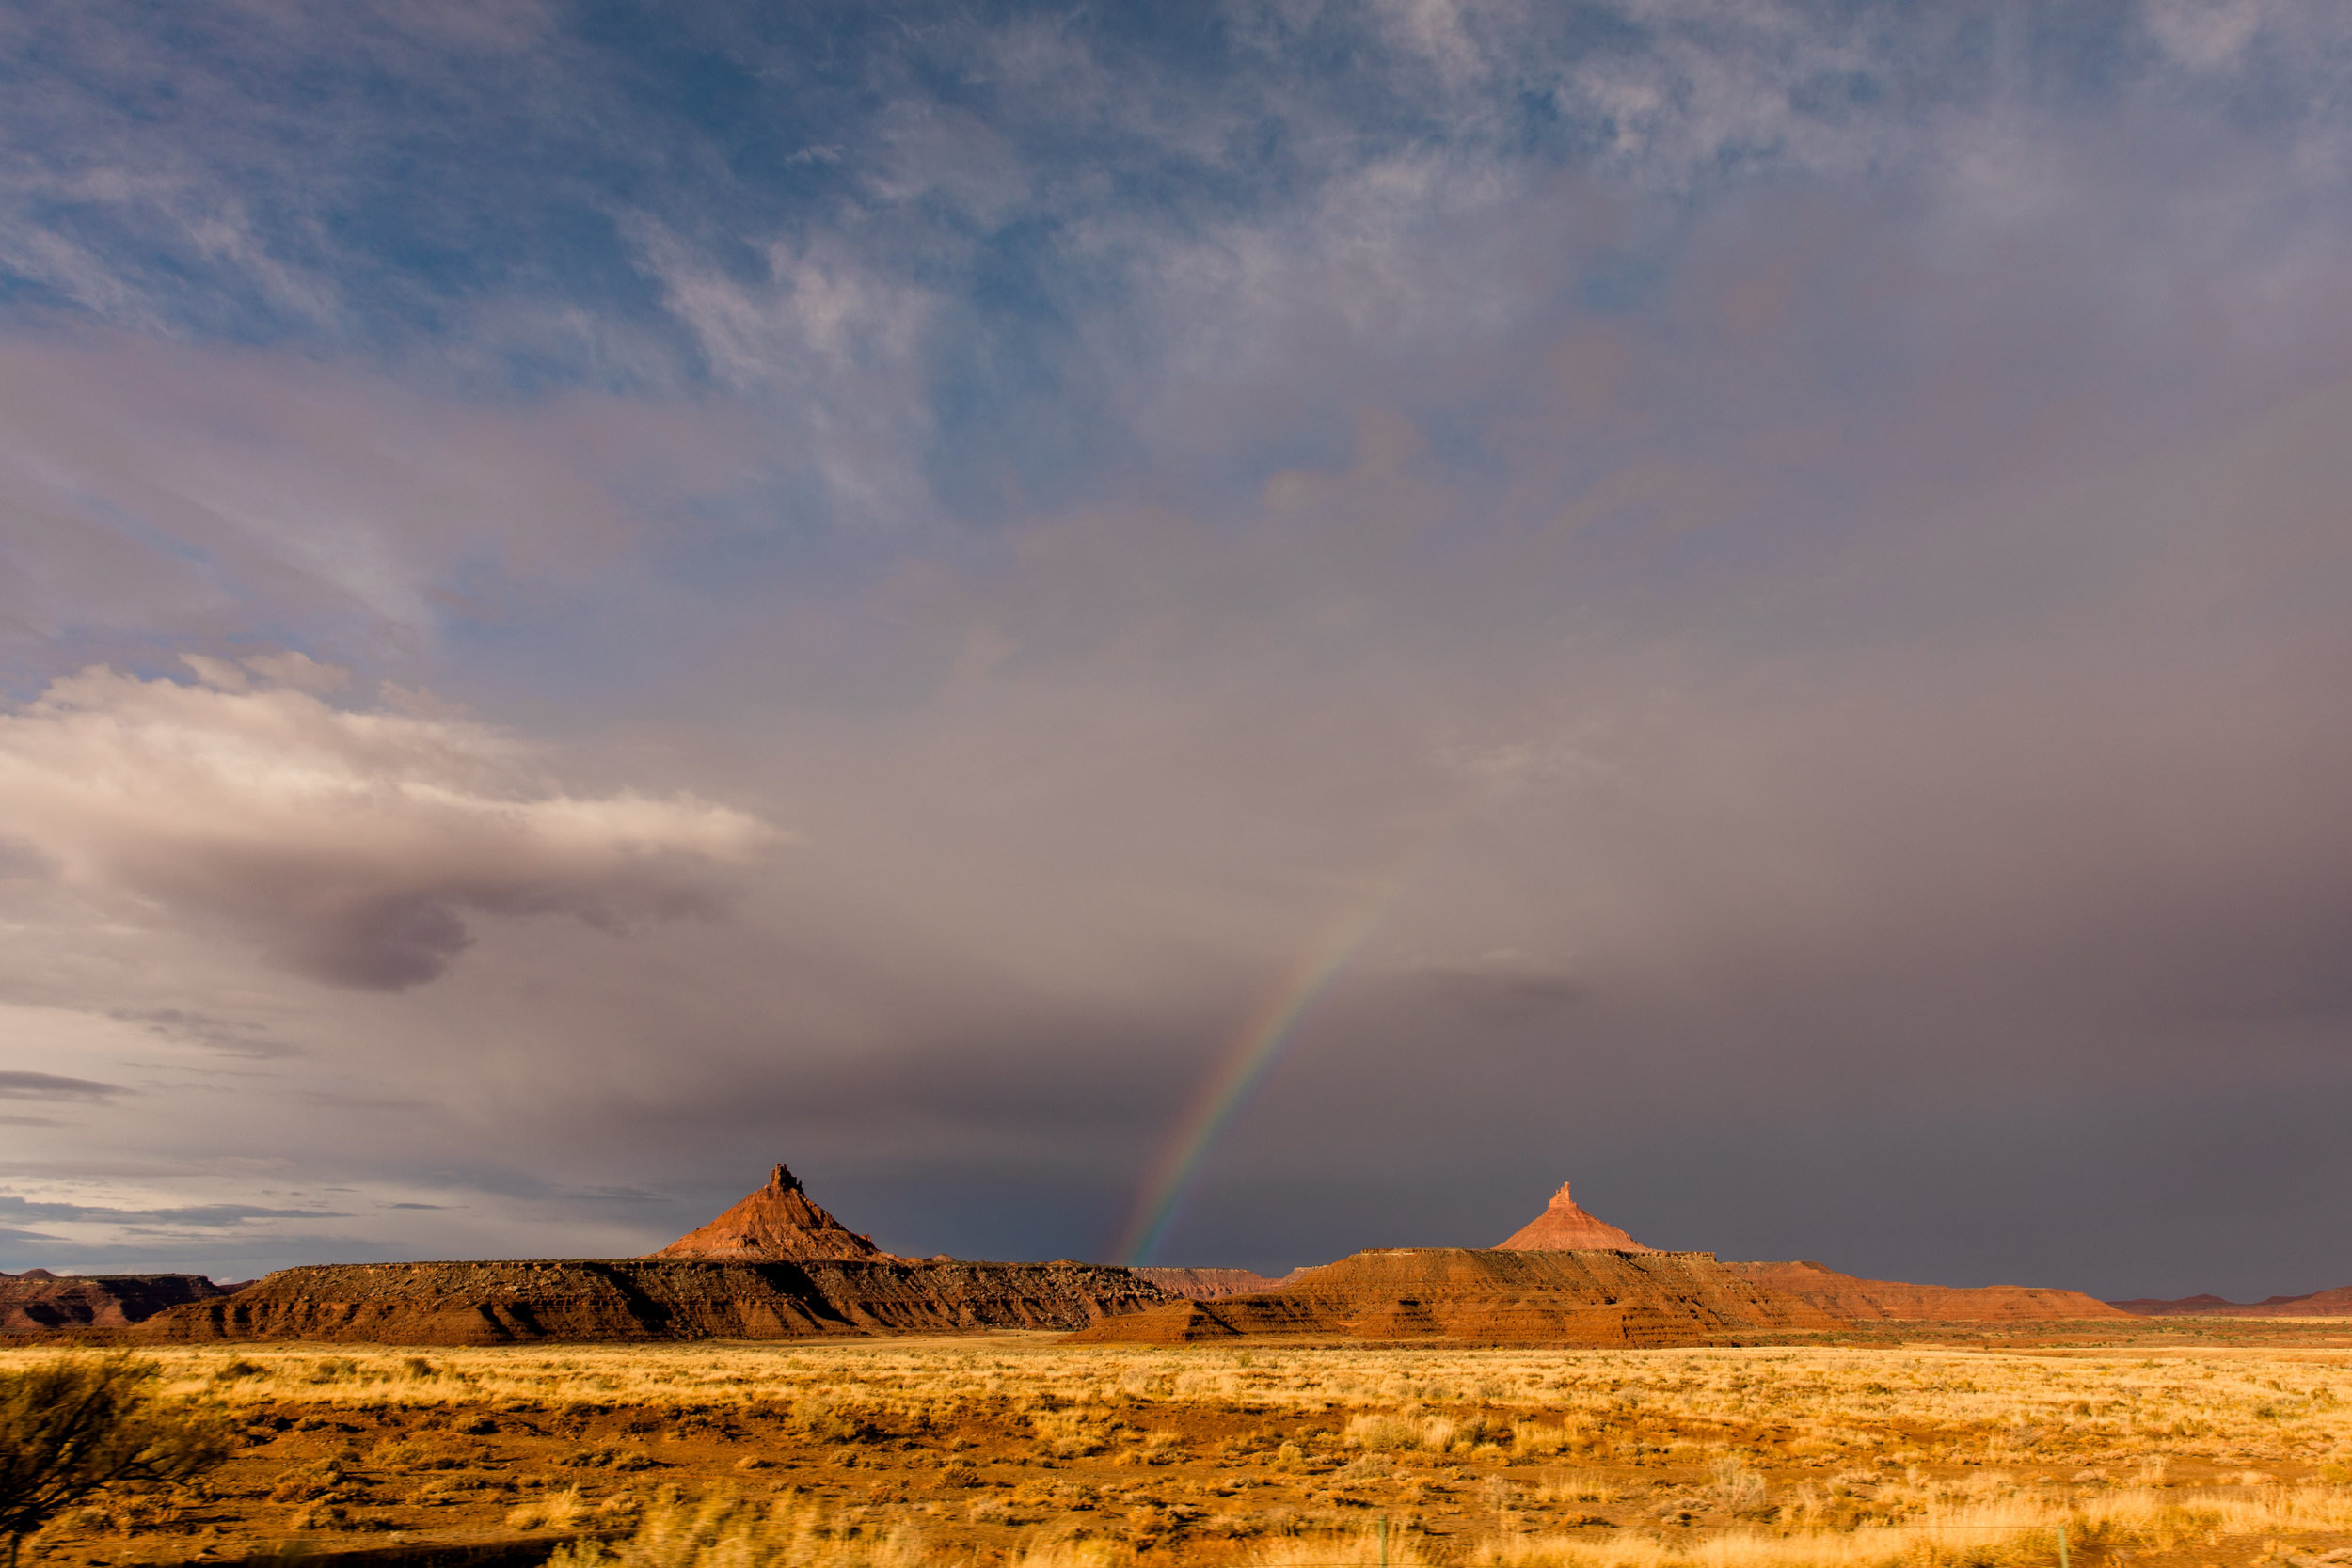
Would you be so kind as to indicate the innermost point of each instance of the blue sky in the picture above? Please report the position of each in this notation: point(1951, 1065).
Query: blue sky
point(593, 597)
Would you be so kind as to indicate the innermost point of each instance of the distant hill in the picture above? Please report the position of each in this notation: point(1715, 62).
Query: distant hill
point(1486, 1296)
point(1890, 1300)
point(38, 1301)
point(2318, 1303)
point(1206, 1284)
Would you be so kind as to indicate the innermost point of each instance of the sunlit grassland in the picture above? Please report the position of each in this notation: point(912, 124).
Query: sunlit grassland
point(1017, 1450)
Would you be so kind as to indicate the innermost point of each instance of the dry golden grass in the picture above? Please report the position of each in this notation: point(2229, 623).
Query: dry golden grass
point(1016, 1450)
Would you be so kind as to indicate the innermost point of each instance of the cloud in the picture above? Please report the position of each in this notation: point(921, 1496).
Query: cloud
point(225, 1035)
point(205, 1215)
point(2204, 35)
point(1782, 556)
point(44, 1086)
point(831, 338)
point(167, 495)
point(351, 846)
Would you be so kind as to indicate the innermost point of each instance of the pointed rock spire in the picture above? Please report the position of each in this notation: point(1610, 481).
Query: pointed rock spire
point(776, 1223)
point(1564, 1227)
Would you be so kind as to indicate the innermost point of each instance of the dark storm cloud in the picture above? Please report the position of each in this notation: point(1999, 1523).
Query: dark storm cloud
point(48, 1085)
point(1780, 565)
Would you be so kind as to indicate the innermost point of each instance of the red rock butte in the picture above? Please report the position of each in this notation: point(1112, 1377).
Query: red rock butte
point(778, 1222)
point(1564, 1227)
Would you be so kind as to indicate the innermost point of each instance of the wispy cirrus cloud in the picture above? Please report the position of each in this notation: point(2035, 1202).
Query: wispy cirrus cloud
point(205, 1215)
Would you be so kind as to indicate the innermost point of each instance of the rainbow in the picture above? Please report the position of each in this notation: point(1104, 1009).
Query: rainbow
point(1253, 1050)
point(1257, 1045)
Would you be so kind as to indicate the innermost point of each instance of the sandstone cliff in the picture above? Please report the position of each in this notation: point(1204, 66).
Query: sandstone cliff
point(2318, 1303)
point(635, 1298)
point(38, 1301)
point(777, 1223)
point(1563, 1227)
point(1210, 1284)
point(1488, 1296)
point(1887, 1300)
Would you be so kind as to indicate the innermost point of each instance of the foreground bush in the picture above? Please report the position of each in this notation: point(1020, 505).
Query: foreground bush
point(728, 1533)
point(73, 1428)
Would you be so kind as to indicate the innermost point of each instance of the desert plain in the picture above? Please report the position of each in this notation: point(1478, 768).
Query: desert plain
point(775, 1388)
point(2197, 1443)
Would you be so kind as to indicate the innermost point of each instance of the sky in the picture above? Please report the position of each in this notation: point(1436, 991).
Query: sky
point(1206, 634)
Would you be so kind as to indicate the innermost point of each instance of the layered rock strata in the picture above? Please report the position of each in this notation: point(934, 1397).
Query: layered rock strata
point(1859, 1300)
point(2316, 1303)
point(638, 1298)
point(777, 1223)
point(38, 1301)
point(1490, 1296)
point(1563, 1227)
point(1208, 1284)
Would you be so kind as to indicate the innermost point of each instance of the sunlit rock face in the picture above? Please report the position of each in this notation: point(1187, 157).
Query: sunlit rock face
point(1612, 1296)
point(1859, 1300)
point(776, 1224)
point(1207, 1284)
point(1563, 1227)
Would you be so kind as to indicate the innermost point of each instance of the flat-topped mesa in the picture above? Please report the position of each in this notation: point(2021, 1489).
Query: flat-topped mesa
point(777, 1224)
point(1206, 1284)
point(528, 1301)
point(1589, 1296)
point(1893, 1300)
point(1564, 1227)
point(38, 1301)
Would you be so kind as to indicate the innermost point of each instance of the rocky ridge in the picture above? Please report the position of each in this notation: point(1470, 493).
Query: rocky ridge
point(2316, 1304)
point(1206, 1284)
point(38, 1301)
point(1615, 1297)
point(1858, 1300)
point(653, 1298)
